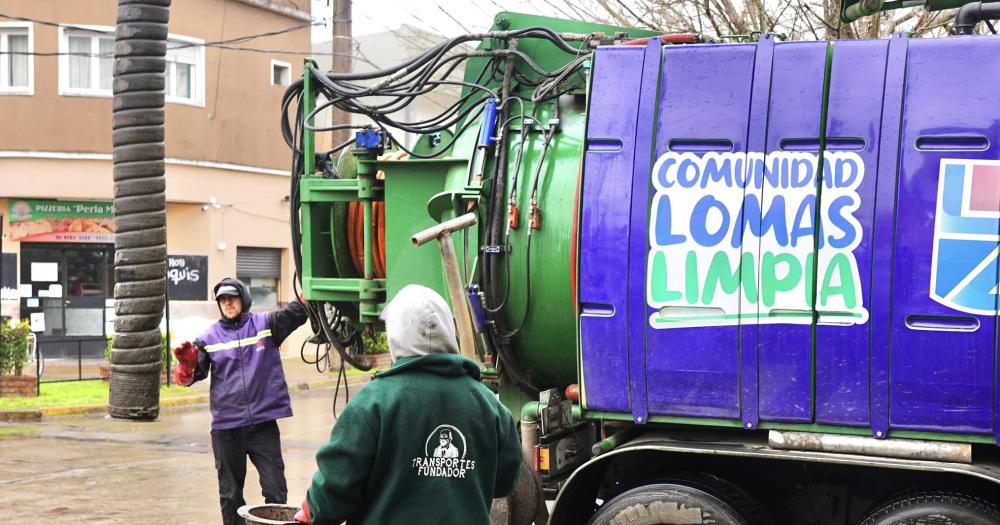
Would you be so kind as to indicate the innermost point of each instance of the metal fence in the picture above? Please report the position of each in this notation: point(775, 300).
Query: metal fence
point(69, 360)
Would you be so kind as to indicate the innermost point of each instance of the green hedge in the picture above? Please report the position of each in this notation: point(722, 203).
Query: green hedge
point(376, 344)
point(14, 346)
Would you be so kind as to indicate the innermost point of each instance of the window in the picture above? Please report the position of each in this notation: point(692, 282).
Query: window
point(88, 63)
point(87, 66)
point(281, 73)
point(260, 270)
point(182, 72)
point(16, 63)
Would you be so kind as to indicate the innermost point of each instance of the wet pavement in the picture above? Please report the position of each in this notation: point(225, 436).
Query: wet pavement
point(90, 469)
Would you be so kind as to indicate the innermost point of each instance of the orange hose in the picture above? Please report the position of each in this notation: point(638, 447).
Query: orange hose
point(356, 237)
point(353, 231)
point(356, 232)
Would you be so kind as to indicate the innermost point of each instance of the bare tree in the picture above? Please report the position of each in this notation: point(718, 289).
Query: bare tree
point(793, 19)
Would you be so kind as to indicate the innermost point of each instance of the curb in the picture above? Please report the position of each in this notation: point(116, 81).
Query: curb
point(14, 416)
point(80, 410)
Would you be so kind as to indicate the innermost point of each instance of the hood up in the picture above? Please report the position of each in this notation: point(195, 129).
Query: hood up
point(418, 322)
point(244, 292)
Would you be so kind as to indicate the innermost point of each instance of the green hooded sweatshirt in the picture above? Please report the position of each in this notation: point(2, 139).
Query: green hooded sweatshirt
point(424, 443)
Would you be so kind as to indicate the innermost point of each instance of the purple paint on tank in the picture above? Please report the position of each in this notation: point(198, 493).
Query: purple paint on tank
point(784, 352)
point(883, 234)
point(942, 373)
point(704, 105)
point(749, 366)
point(638, 238)
point(604, 226)
point(909, 359)
point(853, 123)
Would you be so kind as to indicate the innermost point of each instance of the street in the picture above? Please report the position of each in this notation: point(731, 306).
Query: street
point(98, 471)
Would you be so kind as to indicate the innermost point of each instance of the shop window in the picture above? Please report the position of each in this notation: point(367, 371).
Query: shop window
point(16, 64)
point(70, 285)
point(260, 270)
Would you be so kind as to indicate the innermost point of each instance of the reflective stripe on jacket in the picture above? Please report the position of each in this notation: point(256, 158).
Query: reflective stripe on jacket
point(248, 382)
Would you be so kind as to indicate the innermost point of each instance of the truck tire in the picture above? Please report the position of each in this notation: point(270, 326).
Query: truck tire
point(524, 505)
point(935, 508)
point(667, 504)
point(734, 496)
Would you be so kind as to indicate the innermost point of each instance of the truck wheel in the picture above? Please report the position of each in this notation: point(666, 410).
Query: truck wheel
point(734, 496)
point(524, 505)
point(667, 504)
point(935, 508)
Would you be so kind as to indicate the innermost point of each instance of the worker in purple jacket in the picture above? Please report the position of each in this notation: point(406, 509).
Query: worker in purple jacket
point(248, 392)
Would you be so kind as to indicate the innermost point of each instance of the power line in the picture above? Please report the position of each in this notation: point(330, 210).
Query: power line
point(219, 44)
point(235, 40)
point(227, 48)
point(449, 15)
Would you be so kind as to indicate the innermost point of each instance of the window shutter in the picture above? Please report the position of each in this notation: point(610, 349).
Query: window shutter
point(258, 262)
point(185, 52)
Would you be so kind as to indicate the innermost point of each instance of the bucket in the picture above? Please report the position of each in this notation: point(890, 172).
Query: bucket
point(269, 514)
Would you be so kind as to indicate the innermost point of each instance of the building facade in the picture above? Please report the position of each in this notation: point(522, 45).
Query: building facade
point(226, 170)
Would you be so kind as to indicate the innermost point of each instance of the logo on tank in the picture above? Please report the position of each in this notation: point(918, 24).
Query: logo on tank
point(444, 455)
point(746, 237)
point(964, 263)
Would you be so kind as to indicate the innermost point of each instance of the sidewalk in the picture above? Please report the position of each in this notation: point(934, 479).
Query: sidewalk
point(299, 375)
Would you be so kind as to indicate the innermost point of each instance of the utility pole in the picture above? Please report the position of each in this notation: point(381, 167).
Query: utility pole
point(343, 49)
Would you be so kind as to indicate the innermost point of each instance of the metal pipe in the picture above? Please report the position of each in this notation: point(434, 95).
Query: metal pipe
point(862, 9)
point(453, 277)
point(614, 441)
point(447, 227)
point(935, 5)
point(971, 14)
point(673, 38)
point(169, 344)
point(867, 446)
point(529, 438)
point(530, 411)
point(308, 136)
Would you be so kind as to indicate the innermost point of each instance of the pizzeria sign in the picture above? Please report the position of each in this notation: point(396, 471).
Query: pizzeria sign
point(61, 221)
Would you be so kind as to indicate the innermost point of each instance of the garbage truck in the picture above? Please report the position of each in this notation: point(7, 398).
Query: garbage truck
point(741, 281)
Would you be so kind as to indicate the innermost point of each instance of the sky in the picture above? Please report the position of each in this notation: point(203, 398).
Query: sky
point(446, 17)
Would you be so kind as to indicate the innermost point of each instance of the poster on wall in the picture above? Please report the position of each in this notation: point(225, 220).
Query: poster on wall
point(186, 276)
point(37, 321)
point(61, 221)
point(8, 278)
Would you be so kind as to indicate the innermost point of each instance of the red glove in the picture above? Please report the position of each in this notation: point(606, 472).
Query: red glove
point(187, 362)
point(302, 516)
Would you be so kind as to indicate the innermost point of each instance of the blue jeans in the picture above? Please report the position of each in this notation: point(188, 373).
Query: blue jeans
point(262, 443)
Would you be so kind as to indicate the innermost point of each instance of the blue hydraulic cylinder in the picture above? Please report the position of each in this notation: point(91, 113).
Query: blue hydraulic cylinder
point(486, 135)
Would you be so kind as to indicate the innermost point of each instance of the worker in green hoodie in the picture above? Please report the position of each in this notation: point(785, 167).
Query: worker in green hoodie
point(425, 442)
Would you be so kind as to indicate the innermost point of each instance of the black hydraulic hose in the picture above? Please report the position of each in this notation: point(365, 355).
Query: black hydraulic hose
point(360, 362)
point(494, 234)
point(971, 14)
point(139, 208)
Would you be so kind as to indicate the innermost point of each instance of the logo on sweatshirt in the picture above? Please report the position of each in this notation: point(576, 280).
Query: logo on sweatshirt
point(444, 455)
